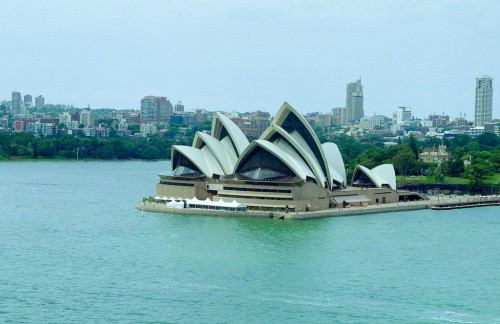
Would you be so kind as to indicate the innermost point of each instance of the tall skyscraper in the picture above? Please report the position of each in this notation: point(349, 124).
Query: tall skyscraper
point(39, 102)
point(484, 100)
point(28, 100)
point(16, 103)
point(354, 101)
point(156, 109)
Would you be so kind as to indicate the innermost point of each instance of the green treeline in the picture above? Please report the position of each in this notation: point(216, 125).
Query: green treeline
point(25, 145)
point(481, 152)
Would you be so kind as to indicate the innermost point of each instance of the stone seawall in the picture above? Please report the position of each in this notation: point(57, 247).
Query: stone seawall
point(332, 212)
point(447, 188)
point(355, 211)
point(161, 208)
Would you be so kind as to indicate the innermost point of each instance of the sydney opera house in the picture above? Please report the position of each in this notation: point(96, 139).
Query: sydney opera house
point(287, 168)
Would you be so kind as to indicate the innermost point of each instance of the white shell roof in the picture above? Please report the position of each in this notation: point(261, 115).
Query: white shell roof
point(301, 147)
point(204, 160)
point(284, 146)
point(387, 173)
point(280, 154)
point(280, 118)
point(335, 161)
point(239, 139)
point(226, 160)
point(302, 142)
point(222, 152)
point(229, 148)
point(381, 175)
point(336, 176)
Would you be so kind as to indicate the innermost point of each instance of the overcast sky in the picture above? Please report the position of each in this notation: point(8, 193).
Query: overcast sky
point(244, 56)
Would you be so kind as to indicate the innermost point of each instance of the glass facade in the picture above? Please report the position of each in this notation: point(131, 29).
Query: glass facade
point(263, 165)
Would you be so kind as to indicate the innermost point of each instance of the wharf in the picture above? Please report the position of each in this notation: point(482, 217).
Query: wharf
point(493, 201)
point(434, 202)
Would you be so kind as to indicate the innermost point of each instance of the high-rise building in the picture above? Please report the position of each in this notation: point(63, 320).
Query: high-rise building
point(340, 116)
point(16, 103)
point(354, 101)
point(86, 118)
point(484, 100)
point(28, 100)
point(403, 114)
point(323, 119)
point(39, 102)
point(156, 109)
point(179, 108)
point(201, 116)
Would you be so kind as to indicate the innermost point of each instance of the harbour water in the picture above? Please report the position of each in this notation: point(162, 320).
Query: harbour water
point(74, 249)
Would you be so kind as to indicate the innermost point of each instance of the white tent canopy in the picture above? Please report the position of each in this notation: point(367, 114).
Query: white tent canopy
point(175, 204)
point(210, 204)
point(172, 202)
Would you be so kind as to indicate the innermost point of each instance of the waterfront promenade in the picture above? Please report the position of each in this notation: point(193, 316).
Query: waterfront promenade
point(432, 201)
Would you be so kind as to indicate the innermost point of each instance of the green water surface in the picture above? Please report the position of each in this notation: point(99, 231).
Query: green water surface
point(73, 249)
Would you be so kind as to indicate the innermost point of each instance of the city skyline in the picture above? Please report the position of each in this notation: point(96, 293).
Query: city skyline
point(244, 57)
point(340, 115)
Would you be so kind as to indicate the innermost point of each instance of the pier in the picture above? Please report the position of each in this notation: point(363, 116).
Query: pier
point(481, 202)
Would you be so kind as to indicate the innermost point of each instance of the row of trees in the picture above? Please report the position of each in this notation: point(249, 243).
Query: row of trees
point(19, 145)
point(482, 152)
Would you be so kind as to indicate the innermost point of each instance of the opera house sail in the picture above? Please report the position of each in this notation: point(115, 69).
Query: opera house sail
point(286, 168)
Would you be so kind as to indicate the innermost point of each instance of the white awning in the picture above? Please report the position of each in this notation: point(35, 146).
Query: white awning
point(219, 203)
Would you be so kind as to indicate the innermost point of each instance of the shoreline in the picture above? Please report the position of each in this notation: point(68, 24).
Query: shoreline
point(75, 160)
point(434, 201)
